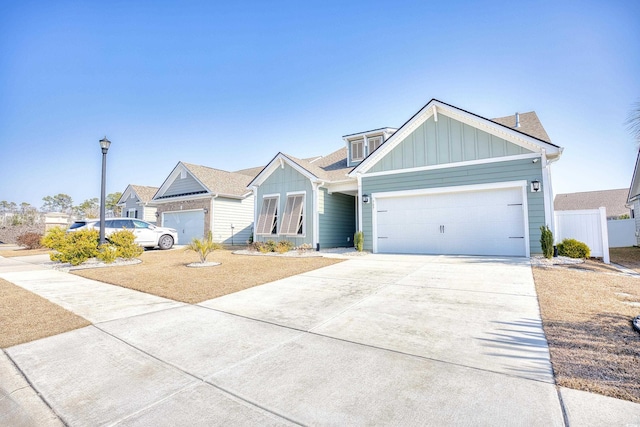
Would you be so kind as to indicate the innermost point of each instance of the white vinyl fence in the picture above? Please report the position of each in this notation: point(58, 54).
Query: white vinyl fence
point(588, 226)
point(622, 232)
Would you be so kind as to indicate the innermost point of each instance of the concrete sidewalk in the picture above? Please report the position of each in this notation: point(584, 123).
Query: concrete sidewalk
point(385, 340)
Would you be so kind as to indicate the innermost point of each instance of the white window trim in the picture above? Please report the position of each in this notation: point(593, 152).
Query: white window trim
point(370, 140)
point(303, 213)
point(354, 142)
point(131, 210)
point(264, 197)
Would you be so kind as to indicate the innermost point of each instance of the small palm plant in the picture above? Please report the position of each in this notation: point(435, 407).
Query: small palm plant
point(203, 247)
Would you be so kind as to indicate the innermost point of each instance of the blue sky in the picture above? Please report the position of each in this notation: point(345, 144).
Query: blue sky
point(228, 85)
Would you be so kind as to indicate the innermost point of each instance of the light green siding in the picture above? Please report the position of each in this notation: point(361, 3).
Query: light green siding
point(513, 170)
point(282, 181)
point(232, 211)
point(442, 142)
point(337, 216)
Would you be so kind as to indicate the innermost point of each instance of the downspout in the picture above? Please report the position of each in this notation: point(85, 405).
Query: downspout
point(316, 213)
point(359, 201)
point(211, 214)
point(254, 189)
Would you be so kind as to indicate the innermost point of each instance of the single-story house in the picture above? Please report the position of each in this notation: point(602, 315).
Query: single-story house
point(614, 201)
point(135, 202)
point(446, 182)
point(196, 200)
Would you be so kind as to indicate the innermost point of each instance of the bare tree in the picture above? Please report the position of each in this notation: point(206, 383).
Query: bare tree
point(633, 122)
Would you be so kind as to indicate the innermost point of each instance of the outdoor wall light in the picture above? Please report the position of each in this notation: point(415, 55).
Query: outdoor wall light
point(535, 186)
point(365, 198)
point(206, 211)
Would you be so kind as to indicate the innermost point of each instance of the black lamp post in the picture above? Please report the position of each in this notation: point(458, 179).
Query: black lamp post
point(104, 144)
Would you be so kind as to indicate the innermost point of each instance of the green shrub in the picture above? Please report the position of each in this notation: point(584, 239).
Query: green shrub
point(573, 249)
point(283, 246)
point(30, 240)
point(54, 238)
point(546, 241)
point(268, 246)
point(358, 241)
point(203, 247)
point(124, 242)
point(107, 253)
point(77, 247)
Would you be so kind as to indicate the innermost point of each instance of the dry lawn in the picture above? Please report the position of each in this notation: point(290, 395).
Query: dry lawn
point(25, 316)
point(586, 313)
point(628, 257)
point(24, 252)
point(164, 273)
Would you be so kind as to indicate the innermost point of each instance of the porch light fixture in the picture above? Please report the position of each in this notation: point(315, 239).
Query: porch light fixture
point(365, 198)
point(104, 146)
point(535, 186)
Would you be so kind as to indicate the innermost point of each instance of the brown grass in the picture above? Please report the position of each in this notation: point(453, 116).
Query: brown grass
point(24, 252)
point(628, 257)
point(164, 273)
point(586, 314)
point(25, 316)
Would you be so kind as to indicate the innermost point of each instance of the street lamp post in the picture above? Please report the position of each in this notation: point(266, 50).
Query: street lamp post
point(104, 144)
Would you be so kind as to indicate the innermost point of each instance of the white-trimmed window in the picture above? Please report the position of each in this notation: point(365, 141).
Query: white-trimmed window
point(374, 142)
point(268, 219)
point(293, 218)
point(357, 150)
point(132, 213)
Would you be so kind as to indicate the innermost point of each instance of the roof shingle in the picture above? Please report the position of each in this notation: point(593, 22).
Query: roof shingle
point(220, 182)
point(613, 200)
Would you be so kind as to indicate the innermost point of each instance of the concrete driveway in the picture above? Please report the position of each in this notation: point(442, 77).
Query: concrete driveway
point(381, 339)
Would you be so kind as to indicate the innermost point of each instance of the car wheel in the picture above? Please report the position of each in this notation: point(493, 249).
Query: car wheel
point(165, 242)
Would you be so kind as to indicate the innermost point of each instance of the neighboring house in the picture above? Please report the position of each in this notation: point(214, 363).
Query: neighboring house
point(615, 202)
point(446, 182)
point(633, 198)
point(196, 200)
point(135, 202)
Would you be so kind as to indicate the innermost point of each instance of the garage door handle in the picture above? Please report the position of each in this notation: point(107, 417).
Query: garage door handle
point(382, 237)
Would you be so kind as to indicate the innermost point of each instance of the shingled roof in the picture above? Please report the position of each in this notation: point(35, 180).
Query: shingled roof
point(145, 193)
point(332, 167)
point(220, 182)
point(529, 124)
point(613, 200)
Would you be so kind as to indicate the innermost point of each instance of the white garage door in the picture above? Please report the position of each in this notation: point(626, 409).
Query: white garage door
point(189, 224)
point(486, 222)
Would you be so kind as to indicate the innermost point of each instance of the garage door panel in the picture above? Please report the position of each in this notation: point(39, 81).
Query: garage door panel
point(189, 224)
point(487, 222)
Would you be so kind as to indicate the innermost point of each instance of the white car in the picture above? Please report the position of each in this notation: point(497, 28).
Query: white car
point(147, 235)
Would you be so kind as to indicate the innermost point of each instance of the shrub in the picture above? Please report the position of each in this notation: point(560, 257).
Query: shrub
point(573, 249)
point(30, 240)
point(203, 247)
point(268, 246)
point(124, 242)
point(54, 238)
point(77, 247)
point(546, 241)
point(283, 246)
point(358, 241)
point(107, 253)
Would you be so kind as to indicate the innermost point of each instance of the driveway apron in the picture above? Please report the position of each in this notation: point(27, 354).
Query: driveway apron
point(381, 339)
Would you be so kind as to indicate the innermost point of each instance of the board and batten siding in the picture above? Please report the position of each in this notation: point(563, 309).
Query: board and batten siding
point(232, 211)
point(442, 142)
point(186, 185)
point(337, 217)
point(494, 172)
point(282, 181)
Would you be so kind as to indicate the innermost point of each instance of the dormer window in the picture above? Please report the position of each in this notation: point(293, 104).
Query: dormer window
point(374, 143)
point(357, 150)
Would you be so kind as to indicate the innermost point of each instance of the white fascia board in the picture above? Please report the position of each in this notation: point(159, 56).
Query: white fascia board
point(182, 198)
point(125, 195)
point(634, 191)
point(275, 164)
point(342, 186)
point(478, 122)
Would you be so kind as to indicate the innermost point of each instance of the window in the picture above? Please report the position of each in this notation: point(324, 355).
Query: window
point(357, 150)
point(132, 213)
point(268, 219)
point(374, 143)
point(140, 224)
point(293, 218)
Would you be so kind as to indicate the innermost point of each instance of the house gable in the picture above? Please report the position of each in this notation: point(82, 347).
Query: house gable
point(181, 182)
point(445, 141)
point(442, 134)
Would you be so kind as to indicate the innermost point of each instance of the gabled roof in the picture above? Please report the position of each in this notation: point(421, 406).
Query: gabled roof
point(529, 124)
point(144, 193)
point(330, 168)
point(252, 172)
point(613, 200)
point(213, 181)
point(500, 128)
